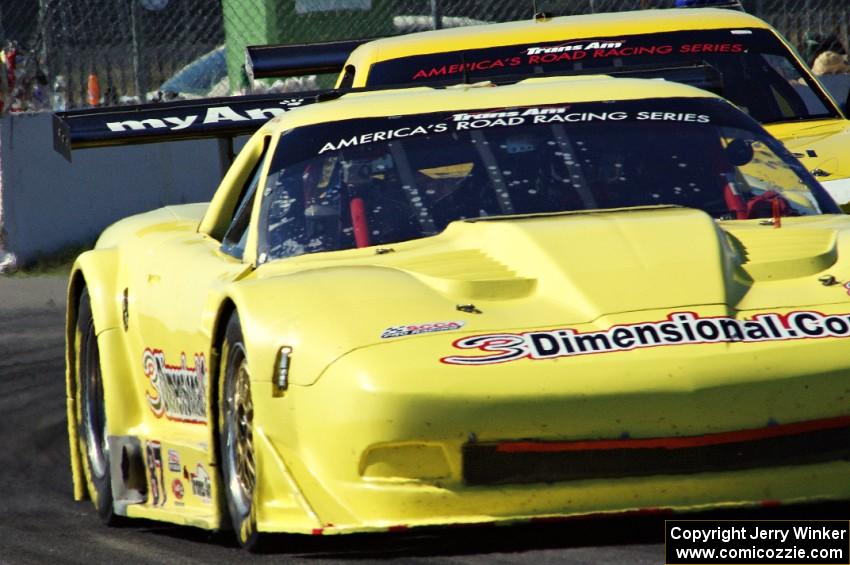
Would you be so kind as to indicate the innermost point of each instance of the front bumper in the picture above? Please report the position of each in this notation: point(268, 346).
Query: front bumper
point(378, 441)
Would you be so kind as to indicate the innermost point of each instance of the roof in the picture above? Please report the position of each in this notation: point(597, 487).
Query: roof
point(529, 92)
point(552, 29)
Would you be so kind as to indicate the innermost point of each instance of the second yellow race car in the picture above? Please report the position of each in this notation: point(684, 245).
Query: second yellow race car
point(741, 57)
point(476, 304)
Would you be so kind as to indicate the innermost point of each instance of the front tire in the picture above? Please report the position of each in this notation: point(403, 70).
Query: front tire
point(236, 441)
point(91, 413)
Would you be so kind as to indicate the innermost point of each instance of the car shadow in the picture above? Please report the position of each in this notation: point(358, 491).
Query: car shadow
point(583, 532)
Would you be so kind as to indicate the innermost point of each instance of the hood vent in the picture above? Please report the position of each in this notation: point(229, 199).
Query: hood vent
point(786, 253)
point(467, 272)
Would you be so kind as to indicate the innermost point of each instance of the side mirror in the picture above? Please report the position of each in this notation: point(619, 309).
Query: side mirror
point(740, 152)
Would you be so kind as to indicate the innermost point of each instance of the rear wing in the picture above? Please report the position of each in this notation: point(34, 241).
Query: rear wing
point(170, 121)
point(265, 61)
point(228, 117)
point(731, 4)
point(225, 118)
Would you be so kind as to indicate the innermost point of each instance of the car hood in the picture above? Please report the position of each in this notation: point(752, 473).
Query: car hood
point(548, 271)
point(821, 144)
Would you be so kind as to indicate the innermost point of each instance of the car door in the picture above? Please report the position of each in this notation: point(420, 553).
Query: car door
point(176, 294)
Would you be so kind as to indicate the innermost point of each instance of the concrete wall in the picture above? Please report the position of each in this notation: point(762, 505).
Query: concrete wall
point(48, 204)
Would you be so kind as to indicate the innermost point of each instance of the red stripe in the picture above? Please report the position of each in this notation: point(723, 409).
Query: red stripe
point(675, 442)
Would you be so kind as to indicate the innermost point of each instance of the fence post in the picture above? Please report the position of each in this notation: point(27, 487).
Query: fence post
point(139, 71)
point(44, 39)
point(5, 98)
point(436, 14)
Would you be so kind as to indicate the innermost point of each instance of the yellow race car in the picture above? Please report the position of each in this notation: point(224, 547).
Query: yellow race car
point(477, 304)
point(743, 59)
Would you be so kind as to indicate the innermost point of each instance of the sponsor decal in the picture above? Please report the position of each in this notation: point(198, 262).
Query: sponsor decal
point(177, 489)
point(562, 114)
point(173, 461)
point(474, 120)
point(179, 392)
point(200, 481)
point(213, 115)
point(383, 135)
point(153, 450)
point(414, 329)
point(490, 61)
point(680, 328)
point(595, 50)
point(468, 66)
point(307, 142)
point(580, 45)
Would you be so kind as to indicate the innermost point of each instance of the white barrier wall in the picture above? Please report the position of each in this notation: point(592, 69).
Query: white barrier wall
point(48, 204)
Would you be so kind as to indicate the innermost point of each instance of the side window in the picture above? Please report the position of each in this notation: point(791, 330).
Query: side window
point(790, 89)
point(236, 235)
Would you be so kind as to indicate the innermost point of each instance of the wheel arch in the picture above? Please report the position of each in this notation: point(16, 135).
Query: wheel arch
point(282, 505)
point(225, 310)
point(94, 270)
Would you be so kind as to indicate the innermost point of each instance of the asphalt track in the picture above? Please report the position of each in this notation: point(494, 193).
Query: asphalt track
point(40, 523)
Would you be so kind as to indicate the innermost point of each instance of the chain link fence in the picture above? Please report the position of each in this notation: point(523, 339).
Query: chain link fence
point(70, 53)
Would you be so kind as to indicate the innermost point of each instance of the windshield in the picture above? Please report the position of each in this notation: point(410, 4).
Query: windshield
point(758, 72)
point(375, 181)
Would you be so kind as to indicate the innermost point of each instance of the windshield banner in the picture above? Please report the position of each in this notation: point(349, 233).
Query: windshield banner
point(307, 142)
point(532, 58)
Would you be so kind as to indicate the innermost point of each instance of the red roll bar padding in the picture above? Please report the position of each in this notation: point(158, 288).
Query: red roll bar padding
point(358, 222)
point(778, 206)
point(734, 202)
point(777, 209)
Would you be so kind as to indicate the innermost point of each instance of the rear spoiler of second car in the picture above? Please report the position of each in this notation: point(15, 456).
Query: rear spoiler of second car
point(266, 61)
point(226, 118)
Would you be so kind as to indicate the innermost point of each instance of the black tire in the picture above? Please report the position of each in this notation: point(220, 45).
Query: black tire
point(238, 466)
point(91, 413)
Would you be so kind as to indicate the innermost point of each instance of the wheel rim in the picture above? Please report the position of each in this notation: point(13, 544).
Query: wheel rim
point(94, 416)
point(238, 420)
